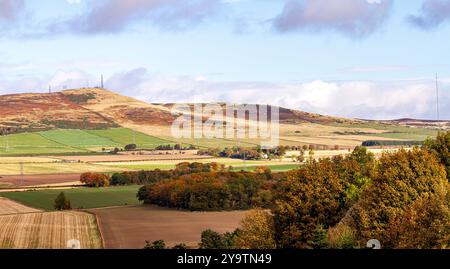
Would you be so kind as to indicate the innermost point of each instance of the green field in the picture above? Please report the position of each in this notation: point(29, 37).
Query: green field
point(78, 139)
point(31, 143)
point(81, 198)
point(397, 131)
point(125, 136)
point(74, 141)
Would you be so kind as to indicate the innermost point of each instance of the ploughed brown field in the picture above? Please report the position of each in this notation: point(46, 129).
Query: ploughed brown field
point(36, 180)
point(130, 227)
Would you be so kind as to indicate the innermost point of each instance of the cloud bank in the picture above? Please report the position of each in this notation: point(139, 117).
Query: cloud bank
point(113, 16)
point(432, 14)
point(10, 9)
point(356, 18)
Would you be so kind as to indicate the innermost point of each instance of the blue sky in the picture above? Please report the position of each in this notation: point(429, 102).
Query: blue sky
point(354, 58)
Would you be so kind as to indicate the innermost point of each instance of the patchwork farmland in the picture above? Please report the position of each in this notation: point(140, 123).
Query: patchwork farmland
point(37, 164)
point(75, 141)
point(80, 198)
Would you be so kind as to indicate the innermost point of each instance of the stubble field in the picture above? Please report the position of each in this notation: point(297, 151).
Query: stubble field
point(48, 230)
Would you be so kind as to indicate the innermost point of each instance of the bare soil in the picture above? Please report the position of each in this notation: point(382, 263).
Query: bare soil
point(36, 180)
point(130, 227)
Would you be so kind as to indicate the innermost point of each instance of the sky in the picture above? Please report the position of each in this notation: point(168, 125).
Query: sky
point(372, 59)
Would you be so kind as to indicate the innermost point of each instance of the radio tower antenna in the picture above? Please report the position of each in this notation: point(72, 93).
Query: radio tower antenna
point(437, 98)
point(102, 83)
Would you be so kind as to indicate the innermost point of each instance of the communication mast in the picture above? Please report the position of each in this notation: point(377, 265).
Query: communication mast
point(102, 84)
point(437, 98)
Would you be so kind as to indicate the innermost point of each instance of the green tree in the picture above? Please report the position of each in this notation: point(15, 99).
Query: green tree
point(159, 244)
point(120, 179)
point(180, 246)
point(213, 240)
point(62, 202)
point(319, 238)
point(130, 147)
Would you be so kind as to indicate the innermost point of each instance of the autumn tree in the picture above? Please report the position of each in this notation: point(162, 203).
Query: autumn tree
point(94, 180)
point(402, 179)
point(425, 224)
point(441, 148)
point(257, 231)
point(311, 196)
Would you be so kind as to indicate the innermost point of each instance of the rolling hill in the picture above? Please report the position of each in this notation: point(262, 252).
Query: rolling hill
point(87, 119)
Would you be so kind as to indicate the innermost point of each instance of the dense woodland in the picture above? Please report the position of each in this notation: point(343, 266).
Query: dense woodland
point(401, 199)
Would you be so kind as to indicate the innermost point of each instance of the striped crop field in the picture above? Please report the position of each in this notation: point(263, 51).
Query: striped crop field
point(50, 230)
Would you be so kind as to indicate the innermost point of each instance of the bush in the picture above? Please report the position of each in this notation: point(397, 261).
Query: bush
point(130, 147)
point(62, 203)
point(342, 237)
point(180, 246)
point(94, 180)
point(159, 244)
point(120, 179)
point(213, 240)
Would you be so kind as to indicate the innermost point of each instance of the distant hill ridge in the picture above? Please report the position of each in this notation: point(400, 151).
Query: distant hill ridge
point(95, 108)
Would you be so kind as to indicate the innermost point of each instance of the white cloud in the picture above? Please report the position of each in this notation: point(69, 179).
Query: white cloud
point(72, 2)
point(356, 99)
point(112, 16)
point(352, 17)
